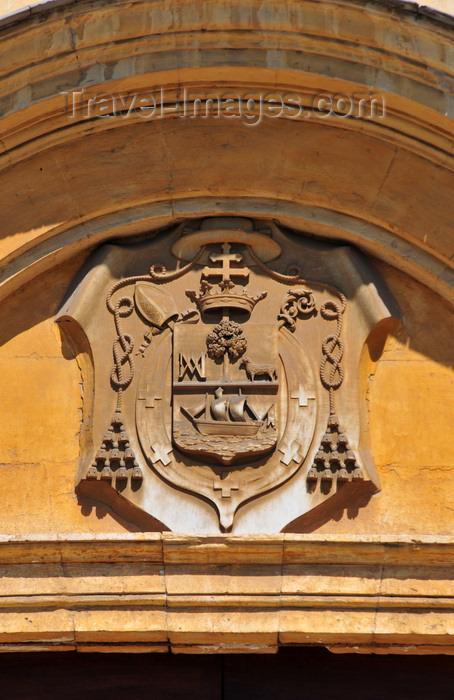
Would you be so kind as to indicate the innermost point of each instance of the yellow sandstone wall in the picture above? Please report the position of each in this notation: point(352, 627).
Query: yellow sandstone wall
point(41, 411)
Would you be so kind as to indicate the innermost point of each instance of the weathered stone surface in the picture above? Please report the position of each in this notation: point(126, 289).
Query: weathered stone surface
point(118, 590)
point(172, 573)
point(261, 395)
point(376, 578)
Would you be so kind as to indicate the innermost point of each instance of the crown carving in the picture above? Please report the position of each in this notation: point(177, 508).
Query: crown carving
point(224, 295)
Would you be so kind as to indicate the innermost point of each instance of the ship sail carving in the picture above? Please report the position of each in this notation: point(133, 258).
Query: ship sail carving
point(236, 408)
point(226, 415)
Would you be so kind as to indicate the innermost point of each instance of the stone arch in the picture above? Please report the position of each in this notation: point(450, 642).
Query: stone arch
point(384, 183)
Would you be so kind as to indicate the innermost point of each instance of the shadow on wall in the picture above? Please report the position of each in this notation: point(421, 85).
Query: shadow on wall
point(428, 326)
point(347, 501)
point(133, 520)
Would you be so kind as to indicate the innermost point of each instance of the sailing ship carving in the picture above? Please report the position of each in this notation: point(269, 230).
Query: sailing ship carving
point(227, 415)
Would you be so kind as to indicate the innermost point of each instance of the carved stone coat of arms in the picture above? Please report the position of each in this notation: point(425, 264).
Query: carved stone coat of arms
point(221, 368)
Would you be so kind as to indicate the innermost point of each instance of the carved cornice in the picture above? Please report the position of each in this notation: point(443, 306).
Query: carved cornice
point(155, 591)
point(172, 548)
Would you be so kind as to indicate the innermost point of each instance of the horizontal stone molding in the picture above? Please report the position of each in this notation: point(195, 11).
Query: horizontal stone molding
point(226, 594)
point(171, 548)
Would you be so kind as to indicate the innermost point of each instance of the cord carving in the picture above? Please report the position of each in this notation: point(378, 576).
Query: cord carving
point(331, 370)
point(334, 461)
point(115, 461)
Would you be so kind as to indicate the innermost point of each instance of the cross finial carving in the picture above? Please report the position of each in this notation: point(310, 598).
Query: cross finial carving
point(226, 271)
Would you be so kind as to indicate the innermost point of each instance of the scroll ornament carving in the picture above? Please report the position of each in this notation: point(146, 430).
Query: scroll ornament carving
point(334, 460)
point(298, 302)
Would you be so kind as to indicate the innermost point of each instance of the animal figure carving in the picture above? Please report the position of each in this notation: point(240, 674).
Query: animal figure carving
point(253, 370)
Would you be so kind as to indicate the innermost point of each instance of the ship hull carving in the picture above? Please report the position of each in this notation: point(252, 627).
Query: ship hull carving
point(226, 428)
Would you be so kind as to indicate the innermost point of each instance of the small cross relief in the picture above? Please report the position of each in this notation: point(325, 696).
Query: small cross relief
point(226, 488)
point(301, 395)
point(292, 452)
point(149, 396)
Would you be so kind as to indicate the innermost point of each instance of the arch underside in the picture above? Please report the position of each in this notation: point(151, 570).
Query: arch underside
point(70, 182)
point(371, 579)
